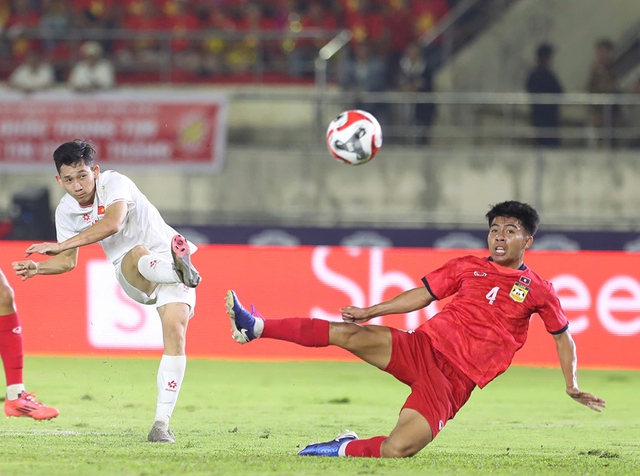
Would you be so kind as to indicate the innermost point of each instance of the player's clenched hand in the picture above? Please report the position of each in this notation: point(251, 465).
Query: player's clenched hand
point(353, 314)
point(26, 269)
point(44, 249)
point(587, 399)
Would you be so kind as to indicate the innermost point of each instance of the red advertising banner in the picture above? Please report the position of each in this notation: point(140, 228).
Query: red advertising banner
point(84, 312)
point(127, 128)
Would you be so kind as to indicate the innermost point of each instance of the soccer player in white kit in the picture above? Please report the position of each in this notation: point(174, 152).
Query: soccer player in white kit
point(151, 260)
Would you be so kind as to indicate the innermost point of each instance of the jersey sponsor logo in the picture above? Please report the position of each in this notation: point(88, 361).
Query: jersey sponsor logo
point(86, 218)
point(518, 292)
point(101, 210)
point(479, 273)
point(525, 280)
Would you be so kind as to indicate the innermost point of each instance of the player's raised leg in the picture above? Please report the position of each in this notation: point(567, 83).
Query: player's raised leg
point(371, 343)
point(144, 270)
point(174, 317)
point(188, 275)
point(18, 403)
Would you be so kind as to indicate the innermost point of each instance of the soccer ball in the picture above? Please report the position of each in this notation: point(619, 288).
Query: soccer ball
point(354, 137)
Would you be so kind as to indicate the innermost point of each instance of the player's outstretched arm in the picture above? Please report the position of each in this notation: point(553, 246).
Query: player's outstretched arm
point(566, 348)
point(109, 225)
point(58, 264)
point(407, 301)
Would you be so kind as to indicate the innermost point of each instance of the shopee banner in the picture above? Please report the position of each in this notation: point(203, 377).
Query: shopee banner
point(127, 128)
point(85, 312)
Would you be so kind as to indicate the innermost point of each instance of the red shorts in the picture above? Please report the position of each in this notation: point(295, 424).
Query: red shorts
point(438, 388)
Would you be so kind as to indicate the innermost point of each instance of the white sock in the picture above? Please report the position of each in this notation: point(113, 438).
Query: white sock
point(157, 270)
point(342, 451)
point(13, 391)
point(258, 327)
point(169, 380)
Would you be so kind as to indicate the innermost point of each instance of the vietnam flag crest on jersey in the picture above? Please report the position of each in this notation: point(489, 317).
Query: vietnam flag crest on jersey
point(101, 210)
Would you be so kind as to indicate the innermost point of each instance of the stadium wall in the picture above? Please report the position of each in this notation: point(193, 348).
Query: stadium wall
point(501, 57)
point(85, 312)
point(402, 186)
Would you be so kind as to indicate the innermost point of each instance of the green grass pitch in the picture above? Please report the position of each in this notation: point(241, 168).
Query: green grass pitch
point(252, 417)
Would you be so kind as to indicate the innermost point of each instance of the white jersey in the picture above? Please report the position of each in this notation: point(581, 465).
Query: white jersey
point(143, 224)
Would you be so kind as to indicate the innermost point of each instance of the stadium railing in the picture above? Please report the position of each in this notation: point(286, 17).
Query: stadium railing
point(461, 118)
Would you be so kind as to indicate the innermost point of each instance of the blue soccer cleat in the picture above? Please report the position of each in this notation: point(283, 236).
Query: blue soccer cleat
point(329, 448)
point(244, 324)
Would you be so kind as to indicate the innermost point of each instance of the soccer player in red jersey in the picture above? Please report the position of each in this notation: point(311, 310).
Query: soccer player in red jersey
point(18, 401)
point(469, 343)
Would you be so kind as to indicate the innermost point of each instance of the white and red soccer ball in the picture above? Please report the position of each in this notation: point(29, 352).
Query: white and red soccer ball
point(354, 137)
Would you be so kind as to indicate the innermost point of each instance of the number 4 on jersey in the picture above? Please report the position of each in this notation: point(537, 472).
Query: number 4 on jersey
point(491, 295)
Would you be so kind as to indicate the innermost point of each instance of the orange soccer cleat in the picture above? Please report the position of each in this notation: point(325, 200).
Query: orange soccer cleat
point(26, 405)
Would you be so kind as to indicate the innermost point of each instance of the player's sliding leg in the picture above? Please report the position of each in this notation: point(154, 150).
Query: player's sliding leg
point(372, 344)
point(411, 434)
point(175, 317)
point(18, 403)
point(144, 270)
point(335, 447)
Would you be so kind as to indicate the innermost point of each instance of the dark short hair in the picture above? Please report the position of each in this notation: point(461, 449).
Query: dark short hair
point(71, 153)
point(524, 213)
point(544, 51)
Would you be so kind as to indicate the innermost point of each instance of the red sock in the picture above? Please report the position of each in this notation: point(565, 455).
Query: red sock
point(365, 448)
point(11, 348)
point(300, 330)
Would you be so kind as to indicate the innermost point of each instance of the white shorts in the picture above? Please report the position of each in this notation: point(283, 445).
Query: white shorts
point(163, 294)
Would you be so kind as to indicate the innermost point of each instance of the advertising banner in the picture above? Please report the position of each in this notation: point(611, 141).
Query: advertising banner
point(141, 128)
point(85, 312)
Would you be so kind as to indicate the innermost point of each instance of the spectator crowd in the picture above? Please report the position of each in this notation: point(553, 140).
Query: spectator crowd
point(94, 44)
point(200, 38)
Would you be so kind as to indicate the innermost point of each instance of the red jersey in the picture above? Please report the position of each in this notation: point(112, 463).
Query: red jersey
point(487, 320)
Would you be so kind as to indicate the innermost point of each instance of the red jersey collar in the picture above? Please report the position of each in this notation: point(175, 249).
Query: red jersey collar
point(521, 268)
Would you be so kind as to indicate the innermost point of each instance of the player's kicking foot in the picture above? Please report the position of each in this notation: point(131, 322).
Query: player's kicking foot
point(334, 447)
point(26, 405)
point(182, 262)
point(245, 325)
point(160, 433)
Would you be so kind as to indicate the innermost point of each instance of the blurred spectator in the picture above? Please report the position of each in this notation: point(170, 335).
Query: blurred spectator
point(92, 72)
point(416, 76)
point(400, 22)
point(99, 15)
point(181, 20)
point(634, 119)
point(244, 54)
point(54, 22)
point(215, 47)
point(366, 73)
point(367, 24)
point(426, 15)
point(542, 80)
point(303, 51)
point(142, 52)
point(22, 18)
point(34, 74)
point(93, 14)
point(603, 80)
